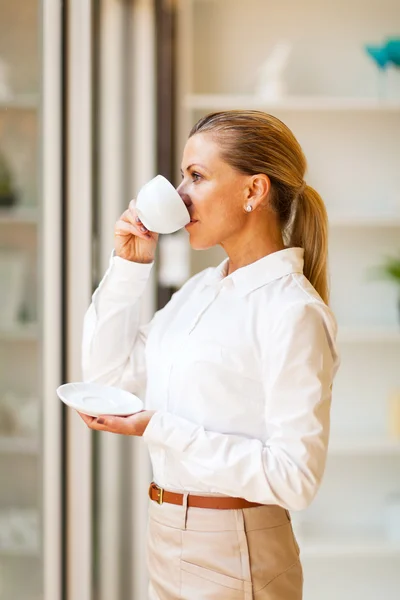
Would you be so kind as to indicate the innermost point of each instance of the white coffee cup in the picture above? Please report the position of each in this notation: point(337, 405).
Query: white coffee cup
point(160, 207)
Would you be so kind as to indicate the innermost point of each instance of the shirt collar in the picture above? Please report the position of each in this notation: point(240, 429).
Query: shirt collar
point(259, 273)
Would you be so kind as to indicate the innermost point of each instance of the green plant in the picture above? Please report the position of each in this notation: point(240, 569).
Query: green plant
point(389, 269)
point(6, 180)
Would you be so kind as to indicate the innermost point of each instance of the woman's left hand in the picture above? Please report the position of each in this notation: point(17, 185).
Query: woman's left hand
point(133, 425)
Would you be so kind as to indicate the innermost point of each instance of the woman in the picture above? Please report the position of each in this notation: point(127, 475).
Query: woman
point(238, 367)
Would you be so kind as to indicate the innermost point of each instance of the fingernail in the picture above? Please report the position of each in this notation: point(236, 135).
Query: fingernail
point(137, 219)
point(142, 228)
point(100, 421)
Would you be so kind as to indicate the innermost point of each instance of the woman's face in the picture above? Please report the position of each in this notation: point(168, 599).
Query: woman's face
point(214, 193)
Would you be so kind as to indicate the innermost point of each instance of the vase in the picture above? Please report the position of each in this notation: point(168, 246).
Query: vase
point(7, 199)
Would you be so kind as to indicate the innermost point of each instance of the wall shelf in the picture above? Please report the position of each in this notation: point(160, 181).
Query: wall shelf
point(364, 447)
point(19, 215)
point(371, 221)
point(19, 553)
point(290, 103)
point(351, 549)
point(28, 332)
point(20, 102)
point(357, 335)
point(18, 445)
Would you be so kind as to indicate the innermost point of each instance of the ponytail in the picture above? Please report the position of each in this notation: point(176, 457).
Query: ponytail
point(310, 231)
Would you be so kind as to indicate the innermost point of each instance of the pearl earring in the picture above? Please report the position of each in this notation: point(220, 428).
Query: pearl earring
point(249, 208)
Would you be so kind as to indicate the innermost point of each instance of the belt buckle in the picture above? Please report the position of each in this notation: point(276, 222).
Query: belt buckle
point(160, 491)
point(160, 498)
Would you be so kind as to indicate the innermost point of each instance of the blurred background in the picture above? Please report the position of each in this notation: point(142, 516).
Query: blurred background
point(96, 97)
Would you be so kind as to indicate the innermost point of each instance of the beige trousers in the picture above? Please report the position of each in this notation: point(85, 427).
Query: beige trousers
point(207, 554)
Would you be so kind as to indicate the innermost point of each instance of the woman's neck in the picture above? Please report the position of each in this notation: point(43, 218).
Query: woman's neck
point(251, 246)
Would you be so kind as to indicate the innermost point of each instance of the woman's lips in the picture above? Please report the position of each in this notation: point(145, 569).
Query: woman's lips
point(192, 222)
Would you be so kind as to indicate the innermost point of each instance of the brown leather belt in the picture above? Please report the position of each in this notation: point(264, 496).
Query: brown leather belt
point(160, 496)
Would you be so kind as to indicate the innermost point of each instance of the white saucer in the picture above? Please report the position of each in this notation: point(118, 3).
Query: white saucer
point(94, 399)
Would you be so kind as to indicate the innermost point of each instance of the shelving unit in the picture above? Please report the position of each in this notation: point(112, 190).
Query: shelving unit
point(20, 553)
point(368, 549)
point(20, 102)
point(368, 335)
point(19, 215)
point(349, 132)
point(364, 447)
point(367, 221)
point(29, 351)
point(210, 102)
point(24, 332)
point(18, 445)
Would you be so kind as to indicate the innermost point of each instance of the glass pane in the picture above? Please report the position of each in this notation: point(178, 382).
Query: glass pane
point(20, 351)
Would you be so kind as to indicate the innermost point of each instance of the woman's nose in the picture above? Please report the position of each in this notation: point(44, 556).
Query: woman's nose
point(186, 199)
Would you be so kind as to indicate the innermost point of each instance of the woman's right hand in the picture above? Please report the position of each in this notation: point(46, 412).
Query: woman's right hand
point(132, 240)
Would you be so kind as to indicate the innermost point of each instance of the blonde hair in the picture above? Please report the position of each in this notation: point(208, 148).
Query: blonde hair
point(254, 142)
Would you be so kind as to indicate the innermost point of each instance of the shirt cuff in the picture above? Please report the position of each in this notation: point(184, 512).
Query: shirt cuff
point(170, 431)
point(125, 276)
point(127, 268)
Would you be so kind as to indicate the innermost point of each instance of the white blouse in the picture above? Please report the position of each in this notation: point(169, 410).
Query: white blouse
point(238, 367)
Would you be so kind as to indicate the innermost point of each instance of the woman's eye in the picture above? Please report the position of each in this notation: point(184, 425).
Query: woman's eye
point(196, 176)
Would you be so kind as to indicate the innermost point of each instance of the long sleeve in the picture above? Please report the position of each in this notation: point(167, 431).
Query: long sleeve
point(113, 341)
point(286, 468)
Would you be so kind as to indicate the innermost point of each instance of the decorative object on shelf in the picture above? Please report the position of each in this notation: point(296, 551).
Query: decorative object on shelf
point(8, 195)
point(270, 84)
point(5, 90)
point(386, 55)
point(8, 420)
point(393, 50)
point(392, 517)
point(19, 415)
point(13, 268)
point(394, 414)
point(19, 530)
point(29, 417)
point(390, 269)
point(379, 55)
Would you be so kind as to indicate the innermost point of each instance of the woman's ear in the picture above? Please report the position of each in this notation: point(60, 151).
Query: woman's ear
point(257, 189)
